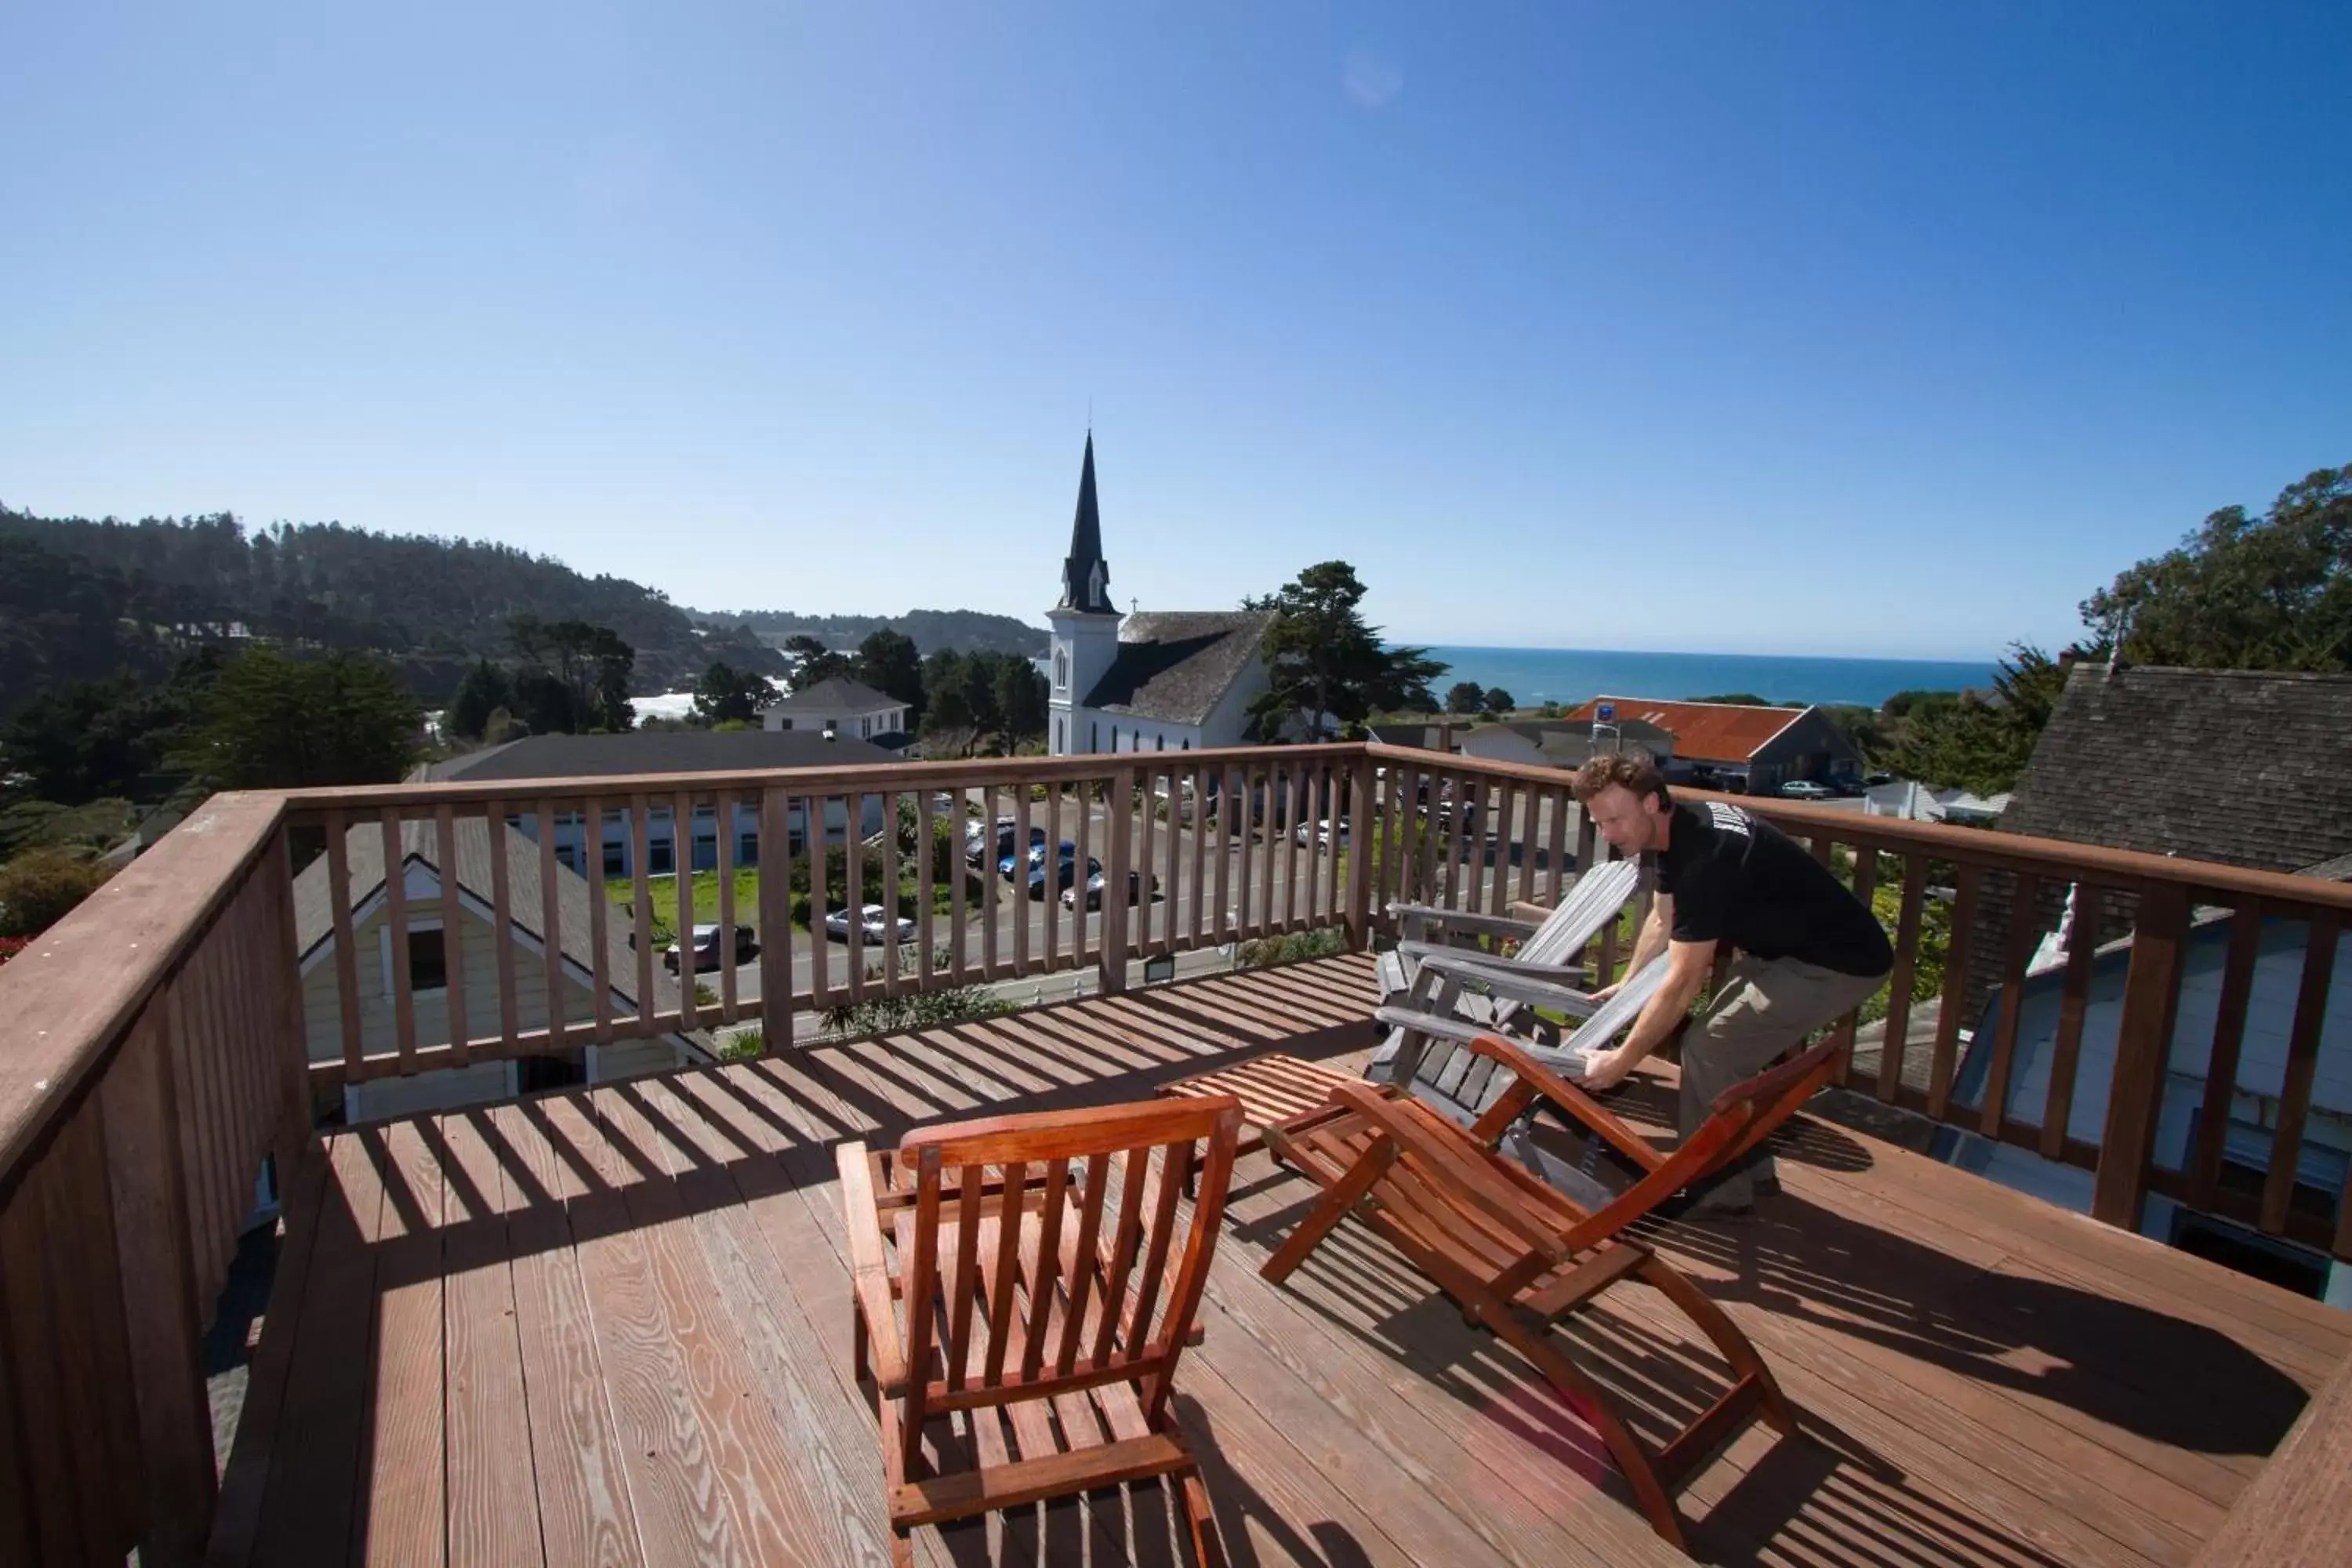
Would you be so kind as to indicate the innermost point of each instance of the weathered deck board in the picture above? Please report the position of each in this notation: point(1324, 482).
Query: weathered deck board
point(642, 1318)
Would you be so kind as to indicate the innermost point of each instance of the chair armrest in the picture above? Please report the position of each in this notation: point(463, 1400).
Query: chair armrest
point(869, 1275)
point(1462, 920)
point(1440, 1147)
point(1533, 914)
point(1570, 1098)
point(1516, 984)
point(1464, 962)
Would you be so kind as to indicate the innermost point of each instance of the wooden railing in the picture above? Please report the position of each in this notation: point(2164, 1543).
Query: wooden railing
point(1224, 847)
point(157, 1050)
point(152, 1060)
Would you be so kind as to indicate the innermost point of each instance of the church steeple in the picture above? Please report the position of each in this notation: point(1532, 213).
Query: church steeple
point(1086, 576)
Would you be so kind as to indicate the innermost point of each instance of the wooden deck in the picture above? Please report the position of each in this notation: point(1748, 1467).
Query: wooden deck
point(614, 1326)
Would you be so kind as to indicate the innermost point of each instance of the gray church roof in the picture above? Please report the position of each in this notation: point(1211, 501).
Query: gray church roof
point(1175, 666)
point(658, 751)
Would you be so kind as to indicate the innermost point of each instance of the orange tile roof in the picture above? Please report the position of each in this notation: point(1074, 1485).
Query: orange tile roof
point(1703, 732)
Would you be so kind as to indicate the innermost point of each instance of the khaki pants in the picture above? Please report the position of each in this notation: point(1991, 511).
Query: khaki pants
point(1765, 1010)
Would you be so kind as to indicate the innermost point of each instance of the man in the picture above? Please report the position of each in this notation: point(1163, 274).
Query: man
point(1808, 950)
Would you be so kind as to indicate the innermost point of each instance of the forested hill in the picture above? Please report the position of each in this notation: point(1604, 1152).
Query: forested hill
point(963, 631)
point(82, 600)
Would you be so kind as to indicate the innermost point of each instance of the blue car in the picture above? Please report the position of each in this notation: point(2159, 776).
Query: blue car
point(1009, 867)
point(1063, 874)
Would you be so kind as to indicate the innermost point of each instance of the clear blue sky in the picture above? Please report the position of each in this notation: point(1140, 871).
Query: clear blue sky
point(1873, 328)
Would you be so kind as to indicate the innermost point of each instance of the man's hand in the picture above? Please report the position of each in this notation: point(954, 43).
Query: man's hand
point(1605, 1071)
point(1606, 992)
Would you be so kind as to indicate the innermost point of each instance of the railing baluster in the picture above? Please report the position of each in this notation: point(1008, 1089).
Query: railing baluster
point(1171, 938)
point(1079, 947)
point(453, 931)
point(1865, 882)
point(1111, 979)
point(1221, 924)
point(1078, 878)
point(551, 929)
point(722, 843)
point(889, 898)
point(396, 907)
point(927, 851)
point(2228, 1037)
point(1506, 803)
point(812, 832)
point(1244, 809)
point(989, 879)
point(493, 817)
point(961, 870)
point(1556, 855)
point(2143, 1041)
point(2302, 1063)
point(1898, 1024)
point(600, 919)
point(1956, 981)
point(641, 903)
point(2074, 1004)
point(1293, 823)
point(1045, 865)
point(2022, 939)
point(1147, 820)
point(853, 866)
point(347, 974)
point(776, 919)
point(681, 860)
point(1198, 827)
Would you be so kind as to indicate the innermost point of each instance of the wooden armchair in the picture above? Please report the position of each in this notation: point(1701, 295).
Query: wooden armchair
point(1518, 1256)
point(1025, 1287)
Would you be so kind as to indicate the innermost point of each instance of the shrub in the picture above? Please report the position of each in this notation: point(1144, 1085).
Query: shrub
point(1295, 947)
point(744, 1045)
point(929, 1009)
point(41, 887)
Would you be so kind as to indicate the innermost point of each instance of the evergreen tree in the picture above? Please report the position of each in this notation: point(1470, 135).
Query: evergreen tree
point(1327, 666)
point(888, 662)
point(1021, 699)
point(1498, 701)
point(481, 690)
point(726, 695)
point(269, 722)
point(1464, 697)
point(816, 662)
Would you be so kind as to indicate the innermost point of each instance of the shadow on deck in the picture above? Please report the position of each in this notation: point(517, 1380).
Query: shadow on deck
point(614, 1325)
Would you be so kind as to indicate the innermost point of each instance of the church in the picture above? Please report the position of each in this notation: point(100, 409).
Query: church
point(1158, 681)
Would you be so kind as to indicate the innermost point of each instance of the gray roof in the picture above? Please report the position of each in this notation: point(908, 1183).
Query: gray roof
point(1424, 736)
point(658, 751)
point(2248, 768)
point(1175, 666)
point(836, 693)
point(314, 910)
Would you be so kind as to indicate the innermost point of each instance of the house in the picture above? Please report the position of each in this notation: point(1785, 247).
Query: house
point(1745, 749)
point(1916, 802)
point(429, 952)
point(2326, 1154)
point(668, 752)
point(1169, 680)
point(1557, 743)
point(838, 705)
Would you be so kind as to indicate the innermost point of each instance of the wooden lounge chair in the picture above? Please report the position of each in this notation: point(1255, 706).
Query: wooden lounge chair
point(1024, 1287)
point(1518, 1256)
point(1545, 948)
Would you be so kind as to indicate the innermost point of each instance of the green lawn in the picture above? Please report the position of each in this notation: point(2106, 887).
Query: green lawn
point(662, 892)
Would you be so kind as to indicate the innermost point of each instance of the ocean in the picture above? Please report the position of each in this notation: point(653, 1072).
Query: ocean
point(1569, 675)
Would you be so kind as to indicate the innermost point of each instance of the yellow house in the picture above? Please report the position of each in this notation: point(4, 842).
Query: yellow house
point(429, 952)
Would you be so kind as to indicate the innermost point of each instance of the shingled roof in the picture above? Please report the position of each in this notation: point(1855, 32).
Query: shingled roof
point(1175, 666)
point(1703, 732)
point(836, 691)
point(2245, 767)
point(660, 751)
point(314, 909)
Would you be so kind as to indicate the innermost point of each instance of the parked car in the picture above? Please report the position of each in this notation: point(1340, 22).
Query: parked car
point(706, 948)
point(1012, 865)
point(977, 844)
point(1320, 835)
point(1064, 870)
point(877, 923)
point(1094, 888)
point(1806, 789)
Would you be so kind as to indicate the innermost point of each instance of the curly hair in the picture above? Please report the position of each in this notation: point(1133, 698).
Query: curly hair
point(1635, 771)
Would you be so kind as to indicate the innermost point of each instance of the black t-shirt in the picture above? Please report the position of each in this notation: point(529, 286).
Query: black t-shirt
point(1736, 878)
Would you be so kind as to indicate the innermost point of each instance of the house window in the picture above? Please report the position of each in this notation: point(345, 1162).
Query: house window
point(785, 722)
point(1061, 737)
point(747, 849)
point(427, 960)
point(705, 851)
point(616, 857)
point(661, 858)
point(1114, 737)
point(1094, 735)
point(1061, 669)
point(1159, 742)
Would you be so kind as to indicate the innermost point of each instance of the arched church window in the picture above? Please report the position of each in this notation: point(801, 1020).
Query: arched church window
point(1061, 669)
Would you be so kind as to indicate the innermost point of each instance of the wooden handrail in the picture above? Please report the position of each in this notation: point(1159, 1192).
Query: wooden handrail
point(2295, 1512)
